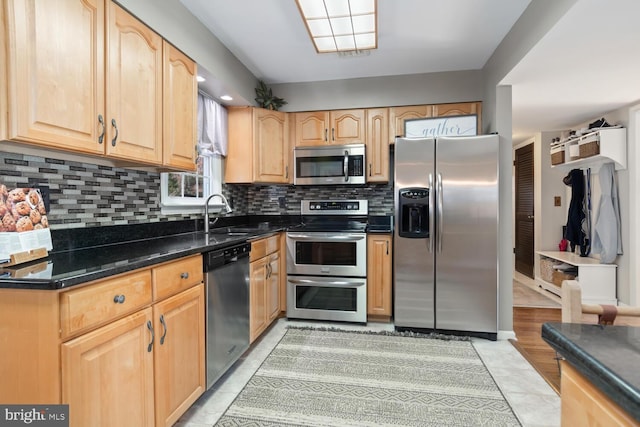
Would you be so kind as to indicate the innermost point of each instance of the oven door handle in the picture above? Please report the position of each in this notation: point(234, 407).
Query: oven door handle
point(317, 282)
point(309, 237)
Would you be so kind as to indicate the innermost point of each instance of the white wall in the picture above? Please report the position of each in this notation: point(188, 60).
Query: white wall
point(413, 89)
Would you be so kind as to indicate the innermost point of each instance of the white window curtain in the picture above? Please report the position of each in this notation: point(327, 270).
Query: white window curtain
point(212, 127)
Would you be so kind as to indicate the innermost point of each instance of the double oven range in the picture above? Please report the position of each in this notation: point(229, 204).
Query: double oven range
point(327, 262)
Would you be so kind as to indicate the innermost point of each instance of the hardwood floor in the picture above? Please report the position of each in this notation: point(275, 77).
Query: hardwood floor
point(527, 325)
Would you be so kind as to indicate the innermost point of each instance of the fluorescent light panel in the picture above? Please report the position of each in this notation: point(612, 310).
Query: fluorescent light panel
point(340, 25)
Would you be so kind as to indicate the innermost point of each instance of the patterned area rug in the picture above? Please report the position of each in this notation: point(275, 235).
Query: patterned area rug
point(336, 378)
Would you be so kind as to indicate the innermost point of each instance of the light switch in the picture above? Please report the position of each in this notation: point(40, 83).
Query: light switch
point(557, 201)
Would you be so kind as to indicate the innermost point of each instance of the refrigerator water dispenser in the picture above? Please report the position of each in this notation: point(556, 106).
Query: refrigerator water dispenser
point(414, 213)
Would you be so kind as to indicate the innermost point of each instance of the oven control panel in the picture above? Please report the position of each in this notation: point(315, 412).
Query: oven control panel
point(335, 207)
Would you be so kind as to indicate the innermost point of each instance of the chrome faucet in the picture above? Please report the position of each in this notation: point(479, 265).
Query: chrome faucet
point(227, 209)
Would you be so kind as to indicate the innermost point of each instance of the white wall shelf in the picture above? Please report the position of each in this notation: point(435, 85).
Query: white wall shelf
point(598, 281)
point(613, 148)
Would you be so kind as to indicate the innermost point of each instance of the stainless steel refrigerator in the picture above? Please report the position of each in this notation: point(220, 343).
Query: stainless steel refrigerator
point(446, 234)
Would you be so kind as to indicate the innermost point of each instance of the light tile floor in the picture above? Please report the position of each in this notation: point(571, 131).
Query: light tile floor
point(533, 401)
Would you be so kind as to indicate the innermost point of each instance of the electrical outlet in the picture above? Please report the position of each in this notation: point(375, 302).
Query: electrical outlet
point(282, 202)
point(557, 201)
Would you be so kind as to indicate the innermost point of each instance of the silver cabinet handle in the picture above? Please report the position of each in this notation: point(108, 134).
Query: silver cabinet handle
point(346, 166)
point(325, 134)
point(333, 134)
point(153, 336)
point(286, 172)
point(184, 275)
point(104, 128)
point(164, 325)
point(115, 126)
point(119, 299)
point(440, 213)
point(387, 242)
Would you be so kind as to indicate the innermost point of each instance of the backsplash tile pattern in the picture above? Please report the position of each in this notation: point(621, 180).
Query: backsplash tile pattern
point(88, 195)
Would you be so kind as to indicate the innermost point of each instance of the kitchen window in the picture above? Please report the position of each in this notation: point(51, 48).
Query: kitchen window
point(186, 192)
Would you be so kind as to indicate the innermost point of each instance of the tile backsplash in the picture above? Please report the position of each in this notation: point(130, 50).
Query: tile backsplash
point(88, 195)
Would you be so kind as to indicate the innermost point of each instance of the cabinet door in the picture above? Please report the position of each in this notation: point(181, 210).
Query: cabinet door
point(179, 354)
point(460, 109)
point(347, 127)
point(180, 95)
point(312, 128)
point(134, 89)
point(271, 147)
point(107, 374)
point(379, 275)
point(378, 145)
point(257, 298)
point(397, 116)
point(273, 287)
point(55, 57)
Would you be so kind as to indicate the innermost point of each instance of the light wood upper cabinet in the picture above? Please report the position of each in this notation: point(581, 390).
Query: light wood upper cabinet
point(336, 127)
point(460, 109)
point(312, 128)
point(397, 116)
point(179, 354)
point(258, 146)
point(379, 283)
point(94, 85)
point(377, 145)
point(180, 110)
point(56, 73)
point(107, 374)
point(347, 127)
point(134, 89)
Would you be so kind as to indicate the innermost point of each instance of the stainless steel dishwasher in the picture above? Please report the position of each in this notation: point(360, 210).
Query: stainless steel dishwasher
point(227, 292)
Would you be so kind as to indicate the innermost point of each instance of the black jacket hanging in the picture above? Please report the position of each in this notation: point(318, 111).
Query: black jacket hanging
point(574, 233)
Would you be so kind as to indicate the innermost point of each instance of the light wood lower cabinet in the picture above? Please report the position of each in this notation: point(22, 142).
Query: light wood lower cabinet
point(136, 358)
point(582, 404)
point(379, 281)
point(265, 284)
point(107, 374)
point(179, 354)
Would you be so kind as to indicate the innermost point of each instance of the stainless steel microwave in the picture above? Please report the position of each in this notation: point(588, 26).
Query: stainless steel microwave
point(329, 165)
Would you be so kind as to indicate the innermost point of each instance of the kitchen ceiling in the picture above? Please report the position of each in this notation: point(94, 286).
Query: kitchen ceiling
point(582, 68)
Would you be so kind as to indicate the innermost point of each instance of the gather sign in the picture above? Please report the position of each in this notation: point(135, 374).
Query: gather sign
point(441, 126)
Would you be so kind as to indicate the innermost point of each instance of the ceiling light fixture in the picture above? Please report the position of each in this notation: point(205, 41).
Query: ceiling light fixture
point(226, 98)
point(200, 79)
point(341, 25)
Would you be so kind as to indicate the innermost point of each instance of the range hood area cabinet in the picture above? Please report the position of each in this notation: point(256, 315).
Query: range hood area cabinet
point(335, 127)
point(96, 85)
point(258, 149)
point(398, 115)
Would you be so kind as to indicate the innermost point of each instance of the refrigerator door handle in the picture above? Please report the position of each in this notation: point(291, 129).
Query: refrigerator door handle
point(431, 216)
point(440, 210)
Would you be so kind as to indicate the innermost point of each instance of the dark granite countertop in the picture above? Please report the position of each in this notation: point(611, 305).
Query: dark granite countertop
point(68, 268)
point(609, 356)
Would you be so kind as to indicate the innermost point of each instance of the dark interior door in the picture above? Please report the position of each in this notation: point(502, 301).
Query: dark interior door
point(524, 210)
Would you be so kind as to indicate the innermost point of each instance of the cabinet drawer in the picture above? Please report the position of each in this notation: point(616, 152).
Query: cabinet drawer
point(176, 276)
point(92, 305)
point(263, 247)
